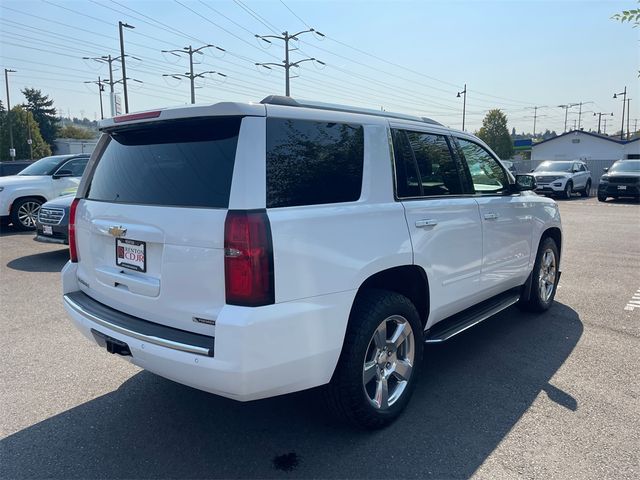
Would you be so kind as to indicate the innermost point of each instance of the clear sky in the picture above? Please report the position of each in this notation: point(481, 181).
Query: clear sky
point(410, 56)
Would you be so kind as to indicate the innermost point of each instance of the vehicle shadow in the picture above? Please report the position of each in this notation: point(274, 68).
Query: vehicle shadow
point(9, 231)
point(52, 261)
point(472, 391)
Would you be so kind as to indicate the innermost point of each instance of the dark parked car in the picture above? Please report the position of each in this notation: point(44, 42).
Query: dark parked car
point(52, 224)
point(13, 168)
point(621, 180)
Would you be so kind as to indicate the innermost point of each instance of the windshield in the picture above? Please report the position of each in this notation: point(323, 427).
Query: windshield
point(44, 166)
point(631, 166)
point(554, 167)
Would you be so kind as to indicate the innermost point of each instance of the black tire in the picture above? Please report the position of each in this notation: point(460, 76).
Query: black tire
point(587, 189)
point(28, 206)
point(347, 395)
point(602, 198)
point(536, 302)
point(568, 190)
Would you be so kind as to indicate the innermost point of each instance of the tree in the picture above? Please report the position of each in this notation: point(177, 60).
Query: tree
point(72, 131)
point(632, 16)
point(21, 121)
point(495, 133)
point(43, 112)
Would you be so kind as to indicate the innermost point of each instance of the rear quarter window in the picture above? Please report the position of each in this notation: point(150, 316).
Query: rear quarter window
point(311, 163)
point(186, 163)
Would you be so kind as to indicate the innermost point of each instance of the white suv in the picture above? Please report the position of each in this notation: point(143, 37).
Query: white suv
point(563, 177)
point(253, 250)
point(22, 195)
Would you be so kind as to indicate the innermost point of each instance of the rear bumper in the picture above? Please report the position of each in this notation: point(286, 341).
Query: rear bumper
point(259, 352)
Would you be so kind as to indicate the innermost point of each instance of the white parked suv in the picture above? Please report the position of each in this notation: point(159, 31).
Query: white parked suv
point(252, 250)
point(563, 178)
point(22, 195)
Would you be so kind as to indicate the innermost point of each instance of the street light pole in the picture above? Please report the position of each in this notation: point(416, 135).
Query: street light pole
point(122, 25)
point(464, 104)
point(599, 114)
point(624, 98)
point(12, 151)
point(566, 112)
point(287, 64)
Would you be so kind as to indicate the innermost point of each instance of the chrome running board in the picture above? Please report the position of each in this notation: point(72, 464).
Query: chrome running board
point(458, 323)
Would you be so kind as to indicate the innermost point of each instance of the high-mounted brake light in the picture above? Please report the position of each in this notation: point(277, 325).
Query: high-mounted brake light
point(136, 116)
point(248, 258)
point(73, 249)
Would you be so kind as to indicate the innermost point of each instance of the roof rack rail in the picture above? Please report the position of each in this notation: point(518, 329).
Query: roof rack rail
point(290, 102)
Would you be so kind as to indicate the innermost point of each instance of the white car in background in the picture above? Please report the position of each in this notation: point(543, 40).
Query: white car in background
point(22, 195)
point(563, 178)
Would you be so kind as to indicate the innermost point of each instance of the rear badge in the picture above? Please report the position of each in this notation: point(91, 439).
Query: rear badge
point(117, 230)
point(204, 320)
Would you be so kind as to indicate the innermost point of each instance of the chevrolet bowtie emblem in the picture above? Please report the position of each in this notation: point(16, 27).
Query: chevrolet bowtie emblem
point(117, 231)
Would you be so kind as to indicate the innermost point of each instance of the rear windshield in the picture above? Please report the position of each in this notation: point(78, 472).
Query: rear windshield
point(186, 163)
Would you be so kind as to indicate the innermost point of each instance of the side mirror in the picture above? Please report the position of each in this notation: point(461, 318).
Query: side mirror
point(524, 183)
point(531, 171)
point(62, 174)
point(605, 169)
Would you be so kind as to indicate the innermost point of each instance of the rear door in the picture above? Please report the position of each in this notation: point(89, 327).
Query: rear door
point(443, 220)
point(150, 230)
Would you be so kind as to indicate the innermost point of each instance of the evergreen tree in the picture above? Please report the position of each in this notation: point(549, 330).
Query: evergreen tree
point(495, 133)
point(21, 121)
point(43, 112)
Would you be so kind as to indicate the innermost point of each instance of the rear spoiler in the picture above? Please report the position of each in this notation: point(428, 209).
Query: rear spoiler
point(222, 109)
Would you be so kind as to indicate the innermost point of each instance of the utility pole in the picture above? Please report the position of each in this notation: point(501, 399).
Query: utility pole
point(464, 104)
point(100, 84)
point(628, 112)
point(575, 123)
point(635, 125)
point(566, 112)
point(190, 75)
point(604, 121)
point(599, 114)
point(12, 151)
point(286, 63)
point(624, 98)
point(122, 25)
point(535, 116)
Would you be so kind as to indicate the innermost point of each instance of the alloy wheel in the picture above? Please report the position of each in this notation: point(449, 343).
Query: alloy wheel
point(388, 362)
point(547, 275)
point(28, 213)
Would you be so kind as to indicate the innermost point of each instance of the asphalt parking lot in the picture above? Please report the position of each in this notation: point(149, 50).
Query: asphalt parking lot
point(527, 396)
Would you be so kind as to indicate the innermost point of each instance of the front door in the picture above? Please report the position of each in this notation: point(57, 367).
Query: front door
point(507, 221)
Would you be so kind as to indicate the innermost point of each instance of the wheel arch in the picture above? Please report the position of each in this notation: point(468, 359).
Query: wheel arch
point(408, 280)
point(554, 233)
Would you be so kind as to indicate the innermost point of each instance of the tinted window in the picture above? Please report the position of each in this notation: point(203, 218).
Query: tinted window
point(182, 163)
point(628, 166)
point(44, 166)
point(311, 163)
point(76, 167)
point(424, 165)
point(487, 174)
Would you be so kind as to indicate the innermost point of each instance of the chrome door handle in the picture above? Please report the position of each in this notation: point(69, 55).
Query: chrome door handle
point(491, 216)
point(426, 223)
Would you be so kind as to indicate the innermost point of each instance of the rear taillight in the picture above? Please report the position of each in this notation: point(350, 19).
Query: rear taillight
point(248, 258)
point(73, 249)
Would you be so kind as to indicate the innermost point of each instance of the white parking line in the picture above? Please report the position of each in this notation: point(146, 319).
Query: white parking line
point(634, 302)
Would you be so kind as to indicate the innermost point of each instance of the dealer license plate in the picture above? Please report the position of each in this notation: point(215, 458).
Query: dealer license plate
point(131, 254)
point(622, 187)
point(47, 229)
